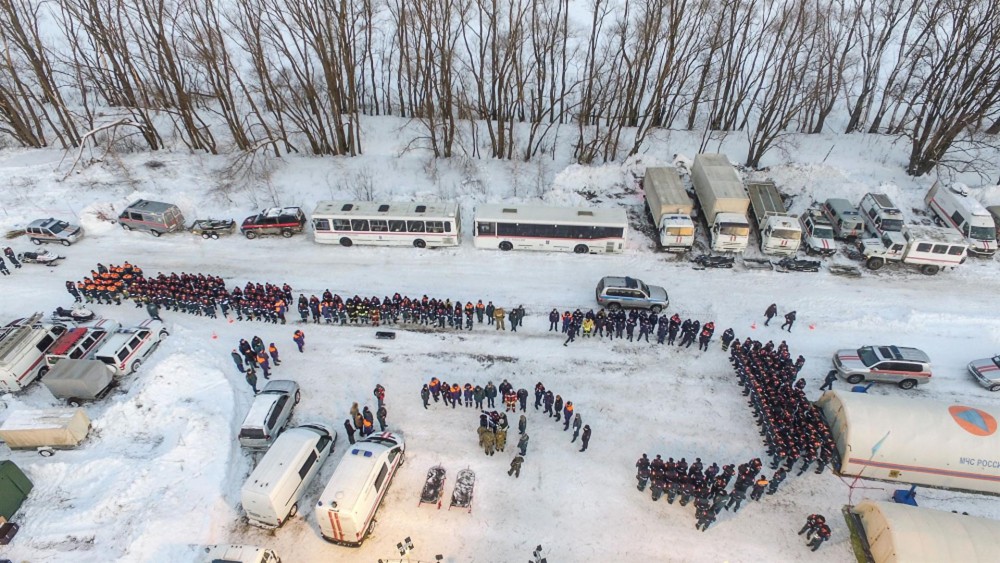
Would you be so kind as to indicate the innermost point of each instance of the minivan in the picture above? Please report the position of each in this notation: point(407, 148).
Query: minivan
point(847, 222)
point(126, 348)
point(271, 494)
point(155, 217)
point(269, 413)
point(23, 344)
point(346, 509)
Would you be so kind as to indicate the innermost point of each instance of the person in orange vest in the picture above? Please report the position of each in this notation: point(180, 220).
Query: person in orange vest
point(264, 364)
point(480, 309)
point(567, 414)
point(376, 315)
point(273, 351)
point(300, 339)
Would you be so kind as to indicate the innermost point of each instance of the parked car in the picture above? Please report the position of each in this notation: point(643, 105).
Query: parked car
point(156, 217)
point(53, 230)
point(284, 221)
point(269, 413)
point(907, 367)
point(846, 220)
point(125, 349)
point(987, 372)
point(616, 292)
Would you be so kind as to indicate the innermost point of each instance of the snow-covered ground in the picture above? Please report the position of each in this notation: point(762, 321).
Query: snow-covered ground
point(161, 471)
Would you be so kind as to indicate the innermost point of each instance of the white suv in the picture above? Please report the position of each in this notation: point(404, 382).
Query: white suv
point(125, 349)
point(907, 367)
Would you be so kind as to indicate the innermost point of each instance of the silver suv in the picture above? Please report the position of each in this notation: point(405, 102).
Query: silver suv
point(616, 292)
point(269, 413)
point(907, 367)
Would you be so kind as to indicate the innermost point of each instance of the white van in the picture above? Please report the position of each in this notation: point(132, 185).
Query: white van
point(271, 494)
point(23, 344)
point(954, 208)
point(346, 509)
point(880, 214)
point(239, 554)
point(125, 349)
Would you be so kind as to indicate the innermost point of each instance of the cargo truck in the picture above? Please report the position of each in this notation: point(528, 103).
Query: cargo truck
point(779, 230)
point(723, 201)
point(670, 207)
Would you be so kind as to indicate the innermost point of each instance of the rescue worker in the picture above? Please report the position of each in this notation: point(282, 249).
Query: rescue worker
point(252, 380)
point(831, 376)
point(515, 467)
point(771, 312)
point(585, 439)
point(272, 350)
point(554, 320)
point(727, 339)
point(238, 360)
point(425, 396)
point(577, 423)
point(498, 316)
point(300, 339)
point(789, 321)
point(522, 444)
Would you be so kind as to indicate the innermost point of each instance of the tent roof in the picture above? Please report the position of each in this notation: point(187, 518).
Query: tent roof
point(900, 533)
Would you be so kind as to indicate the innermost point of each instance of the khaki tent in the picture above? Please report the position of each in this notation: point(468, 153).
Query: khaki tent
point(915, 440)
point(14, 488)
point(899, 533)
point(33, 428)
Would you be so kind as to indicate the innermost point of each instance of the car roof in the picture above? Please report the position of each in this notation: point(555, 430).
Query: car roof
point(619, 281)
point(901, 353)
point(280, 211)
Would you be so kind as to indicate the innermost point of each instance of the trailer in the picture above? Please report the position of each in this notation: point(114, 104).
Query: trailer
point(79, 380)
point(670, 207)
point(45, 429)
point(723, 201)
point(779, 230)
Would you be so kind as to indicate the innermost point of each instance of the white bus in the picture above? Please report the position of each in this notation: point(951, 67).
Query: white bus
point(536, 227)
point(388, 224)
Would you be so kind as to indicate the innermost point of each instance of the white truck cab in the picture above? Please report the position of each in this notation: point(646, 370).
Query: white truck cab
point(817, 233)
point(954, 208)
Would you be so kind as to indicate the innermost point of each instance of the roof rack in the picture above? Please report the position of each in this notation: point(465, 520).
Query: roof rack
point(13, 336)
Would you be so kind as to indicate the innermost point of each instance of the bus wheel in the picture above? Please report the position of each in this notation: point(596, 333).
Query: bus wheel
point(419, 243)
point(294, 510)
point(505, 246)
point(346, 242)
point(581, 249)
point(930, 269)
point(875, 263)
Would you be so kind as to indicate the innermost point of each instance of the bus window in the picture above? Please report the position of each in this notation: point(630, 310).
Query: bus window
point(397, 226)
point(415, 226)
point(379, 225)
point(359, 225)
point(435, 227)
point(507, 229)
point(486, 229)
point(342, 224)
point(321, 224)
point(447, 226)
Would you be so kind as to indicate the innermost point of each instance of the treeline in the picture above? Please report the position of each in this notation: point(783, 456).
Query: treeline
point(493, 78)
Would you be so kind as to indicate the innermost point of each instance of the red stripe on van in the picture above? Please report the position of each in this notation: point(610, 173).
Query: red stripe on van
point(335, 525)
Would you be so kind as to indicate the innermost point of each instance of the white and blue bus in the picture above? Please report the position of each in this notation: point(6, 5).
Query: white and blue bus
point(535, 227)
